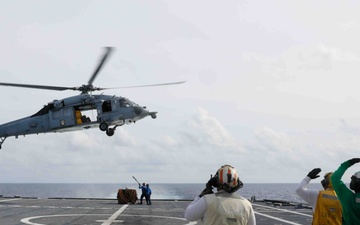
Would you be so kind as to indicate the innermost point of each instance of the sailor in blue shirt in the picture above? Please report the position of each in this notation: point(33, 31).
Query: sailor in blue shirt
point(148, 194)
point(143, 192)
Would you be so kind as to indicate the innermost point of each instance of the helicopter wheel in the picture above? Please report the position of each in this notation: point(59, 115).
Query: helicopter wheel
point(110, 132)
point(103, 126)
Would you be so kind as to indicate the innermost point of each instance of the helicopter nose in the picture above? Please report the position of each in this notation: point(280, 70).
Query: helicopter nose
point(142, 112)
point(138, 110)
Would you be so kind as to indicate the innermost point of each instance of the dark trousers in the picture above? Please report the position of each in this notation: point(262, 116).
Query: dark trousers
point(142, 197)
point(148, 201)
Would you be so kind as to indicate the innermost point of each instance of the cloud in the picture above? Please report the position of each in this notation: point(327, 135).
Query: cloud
point(213, 133)
point(348, 128)
point(285, 154)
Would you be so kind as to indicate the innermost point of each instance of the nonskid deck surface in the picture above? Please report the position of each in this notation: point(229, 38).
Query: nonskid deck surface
point(58, 211)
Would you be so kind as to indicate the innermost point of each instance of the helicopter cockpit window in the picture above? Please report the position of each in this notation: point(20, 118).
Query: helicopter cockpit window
point(124, 103)
point(134, 104)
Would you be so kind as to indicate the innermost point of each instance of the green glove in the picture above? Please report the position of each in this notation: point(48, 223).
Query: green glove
point(313, 174)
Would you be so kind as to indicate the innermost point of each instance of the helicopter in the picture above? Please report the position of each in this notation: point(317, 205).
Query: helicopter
point(69, 114)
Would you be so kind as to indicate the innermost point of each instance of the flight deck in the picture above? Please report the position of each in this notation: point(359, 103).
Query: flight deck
point(74, 211)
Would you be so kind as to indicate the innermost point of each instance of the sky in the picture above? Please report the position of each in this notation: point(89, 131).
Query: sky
point(272, 88)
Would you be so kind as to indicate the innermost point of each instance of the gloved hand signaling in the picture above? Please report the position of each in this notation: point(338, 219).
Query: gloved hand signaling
point(209, 186)
point(313, 174)
point(212, 182)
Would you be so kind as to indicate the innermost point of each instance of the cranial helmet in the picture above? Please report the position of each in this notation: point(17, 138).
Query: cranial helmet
point(355, 182)
point(228, 179)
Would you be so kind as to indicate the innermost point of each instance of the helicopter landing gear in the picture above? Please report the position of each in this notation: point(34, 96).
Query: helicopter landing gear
point(103, 126)
point(110, 132)
point(2, 139)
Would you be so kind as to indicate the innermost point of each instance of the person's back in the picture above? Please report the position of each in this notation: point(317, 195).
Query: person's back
point(148, 194)
point(328, 208)
point(227, 208)
point(148, 191)
point(351, 206)
point(143, 192)
point(143, 189)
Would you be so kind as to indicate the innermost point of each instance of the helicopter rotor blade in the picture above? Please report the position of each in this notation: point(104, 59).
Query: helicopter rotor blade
point(85, 87)
point(147, 85)
point(102, 61)
point(56, 88)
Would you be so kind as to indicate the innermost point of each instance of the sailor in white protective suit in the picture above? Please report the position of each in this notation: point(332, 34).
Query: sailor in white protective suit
point(223, 207)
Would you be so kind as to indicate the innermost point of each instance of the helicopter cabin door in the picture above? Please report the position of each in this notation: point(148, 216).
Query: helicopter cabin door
point(62, 118)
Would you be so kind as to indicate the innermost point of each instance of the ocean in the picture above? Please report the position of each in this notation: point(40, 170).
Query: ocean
point(276, 191)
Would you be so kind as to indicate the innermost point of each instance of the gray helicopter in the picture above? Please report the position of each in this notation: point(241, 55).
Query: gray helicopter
point(69, 114)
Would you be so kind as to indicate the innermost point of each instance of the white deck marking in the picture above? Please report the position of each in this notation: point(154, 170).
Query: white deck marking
point(113, 217)
point(284, 210)
point(162, 217)
point(27, 220)
point(278, 219)
point(9, 200)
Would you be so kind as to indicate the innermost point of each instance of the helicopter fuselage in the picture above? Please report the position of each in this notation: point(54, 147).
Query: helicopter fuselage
point(69, 114)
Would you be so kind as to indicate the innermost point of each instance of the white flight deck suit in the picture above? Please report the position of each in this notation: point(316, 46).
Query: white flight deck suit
point(221, 208)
